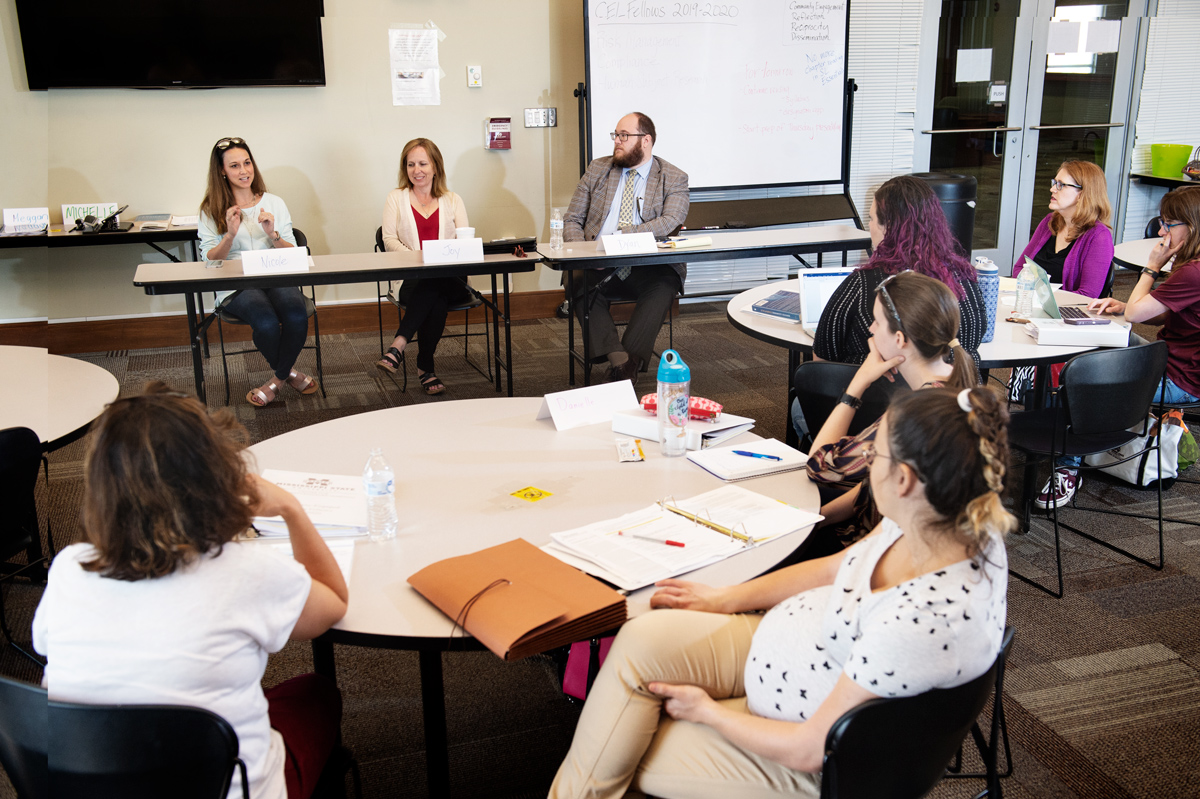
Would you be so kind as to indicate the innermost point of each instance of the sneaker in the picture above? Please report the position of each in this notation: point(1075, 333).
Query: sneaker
point(1059, 488)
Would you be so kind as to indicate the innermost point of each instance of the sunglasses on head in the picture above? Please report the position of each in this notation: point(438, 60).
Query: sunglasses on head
point(229, 141)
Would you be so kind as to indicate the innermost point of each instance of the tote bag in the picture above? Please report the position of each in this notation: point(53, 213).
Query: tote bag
point(1143, 471)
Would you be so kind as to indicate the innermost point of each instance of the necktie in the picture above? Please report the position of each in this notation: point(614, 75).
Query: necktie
point(625, 215)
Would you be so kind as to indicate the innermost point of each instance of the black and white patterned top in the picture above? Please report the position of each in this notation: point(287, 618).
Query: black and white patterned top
point(938, 630)
point(843, 330)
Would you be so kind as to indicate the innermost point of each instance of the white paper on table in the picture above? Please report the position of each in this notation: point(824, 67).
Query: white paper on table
point(757, 515)
point(26, 218)
point(343, 553)
point(629, 244)
point(413, 58)
point(1064, 37)
point(588, 405)
point(274, 261)
point(185, 221)
point(1102, 36)
point(973, 65)
point(331, 500)
point(450, 251)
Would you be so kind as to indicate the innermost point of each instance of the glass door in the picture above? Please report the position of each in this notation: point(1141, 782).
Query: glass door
point(1021, 86)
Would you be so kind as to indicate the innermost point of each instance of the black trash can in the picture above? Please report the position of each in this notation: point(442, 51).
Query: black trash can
point(957, 194)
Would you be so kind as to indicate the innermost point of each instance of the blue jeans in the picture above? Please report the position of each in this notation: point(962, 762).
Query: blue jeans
point(278, 320)
point(1167, 391)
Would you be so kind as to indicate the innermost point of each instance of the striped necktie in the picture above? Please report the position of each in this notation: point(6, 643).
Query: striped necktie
point(625, 215)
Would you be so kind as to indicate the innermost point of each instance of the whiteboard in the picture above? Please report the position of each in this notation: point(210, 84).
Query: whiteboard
point(742, 94)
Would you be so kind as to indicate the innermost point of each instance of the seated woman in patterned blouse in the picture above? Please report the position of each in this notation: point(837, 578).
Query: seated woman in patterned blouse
point(914, 333)
point(749, 698)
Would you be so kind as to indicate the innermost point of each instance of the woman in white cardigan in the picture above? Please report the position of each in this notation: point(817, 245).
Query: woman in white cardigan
point(422, 209)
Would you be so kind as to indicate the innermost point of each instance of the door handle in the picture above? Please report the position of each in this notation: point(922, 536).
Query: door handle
point(972, 130)
point(1078, 127)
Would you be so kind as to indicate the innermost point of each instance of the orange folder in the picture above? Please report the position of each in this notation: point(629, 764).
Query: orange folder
point(518, 600)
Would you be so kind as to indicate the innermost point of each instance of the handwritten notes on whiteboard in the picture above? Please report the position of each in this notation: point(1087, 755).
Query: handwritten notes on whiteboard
point(763, 79)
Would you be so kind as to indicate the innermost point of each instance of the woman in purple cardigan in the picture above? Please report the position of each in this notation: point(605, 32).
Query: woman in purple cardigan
point(1073, 243)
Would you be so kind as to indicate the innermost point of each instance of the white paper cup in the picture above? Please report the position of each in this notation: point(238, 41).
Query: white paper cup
point(464, 232)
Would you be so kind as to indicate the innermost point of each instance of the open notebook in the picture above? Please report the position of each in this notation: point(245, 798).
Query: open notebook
point(768, 456)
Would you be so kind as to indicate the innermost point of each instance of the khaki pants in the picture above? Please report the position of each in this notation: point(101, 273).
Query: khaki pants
point(624, 742)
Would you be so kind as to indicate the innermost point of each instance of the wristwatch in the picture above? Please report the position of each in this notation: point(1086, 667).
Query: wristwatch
point(852, 401)
point(1148, 271)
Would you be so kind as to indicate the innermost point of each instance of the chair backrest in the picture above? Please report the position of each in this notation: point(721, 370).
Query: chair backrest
point(20, 456)
point(379, 239)
point(899, 748)
point(1152, 228)
point(820, 384)
point(301, 239)
point(1112, 390)
point(134, 751)
point(24, 737)
point(1106, 291)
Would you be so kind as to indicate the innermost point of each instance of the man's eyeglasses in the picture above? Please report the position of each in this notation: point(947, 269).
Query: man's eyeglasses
point(229, 141)
point(624, 137)
point(1058, 186)
point(887, 301)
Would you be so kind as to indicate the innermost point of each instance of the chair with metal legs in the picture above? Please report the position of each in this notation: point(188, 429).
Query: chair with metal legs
point(20, 458)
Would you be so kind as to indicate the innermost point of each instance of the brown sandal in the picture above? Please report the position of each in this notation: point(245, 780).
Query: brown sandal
point(302, 382)
point(264, 395)
point(391, 360)
point(430, 382)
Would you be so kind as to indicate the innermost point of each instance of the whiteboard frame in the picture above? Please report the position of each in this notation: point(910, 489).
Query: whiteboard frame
point(848, 87)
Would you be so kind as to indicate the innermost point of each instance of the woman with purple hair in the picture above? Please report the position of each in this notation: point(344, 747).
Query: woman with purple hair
point(908, 231)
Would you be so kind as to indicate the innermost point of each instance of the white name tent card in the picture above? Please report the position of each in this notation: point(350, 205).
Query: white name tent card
point(26, 218)
point(451, 251)
point(269, 262)
point(589, 405)
point(629, 244)
point(79, 210)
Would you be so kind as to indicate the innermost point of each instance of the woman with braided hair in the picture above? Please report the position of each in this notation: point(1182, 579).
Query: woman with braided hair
point(914, 333)
point(749, 698)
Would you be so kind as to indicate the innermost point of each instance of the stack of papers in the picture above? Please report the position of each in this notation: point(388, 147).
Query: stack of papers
point(336, 504)
point(700, 435)
point(743, 461)
point(631, 551)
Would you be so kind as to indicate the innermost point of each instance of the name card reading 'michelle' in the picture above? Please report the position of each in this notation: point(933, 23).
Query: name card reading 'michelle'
point(588, 405)
point(451, 251)
point(270, 262)
point(629, 244)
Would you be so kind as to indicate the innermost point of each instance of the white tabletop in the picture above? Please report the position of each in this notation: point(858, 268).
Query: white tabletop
point(457, 465)
point(1136, 254)
point(1010, 346)
point(53, 395)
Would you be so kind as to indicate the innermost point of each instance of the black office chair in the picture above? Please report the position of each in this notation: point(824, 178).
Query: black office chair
point(989, 746)
point(1102, 396)
point(1152, 228)
point(223, 317)
point(820, 384)
point(900, 748)
point(20, 457)
point(135, 751)
point(25, 737)
point(617, 293)
point(469, 301)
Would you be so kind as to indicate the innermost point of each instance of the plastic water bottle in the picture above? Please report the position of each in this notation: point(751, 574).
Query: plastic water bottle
point(556, 228)
point(1025, 283)
point(988, 275)
point(674, 396)
point(380, 482)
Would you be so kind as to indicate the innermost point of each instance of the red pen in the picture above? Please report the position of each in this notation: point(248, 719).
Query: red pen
point(666, 541)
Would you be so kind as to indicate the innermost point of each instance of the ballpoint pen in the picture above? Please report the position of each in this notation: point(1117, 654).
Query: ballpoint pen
point(666, 541)
point(747, 454)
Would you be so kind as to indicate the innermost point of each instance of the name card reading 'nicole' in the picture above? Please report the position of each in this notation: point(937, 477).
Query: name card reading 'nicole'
point(629, 244)
point(270, 262)
point(588, 405)
point(451, 251)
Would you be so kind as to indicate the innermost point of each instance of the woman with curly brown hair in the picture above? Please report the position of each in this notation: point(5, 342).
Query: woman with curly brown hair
point(162, 605)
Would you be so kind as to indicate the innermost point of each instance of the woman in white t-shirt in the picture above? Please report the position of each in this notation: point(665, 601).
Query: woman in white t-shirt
point(749, 699)
point(162, 606)
point(238, 214)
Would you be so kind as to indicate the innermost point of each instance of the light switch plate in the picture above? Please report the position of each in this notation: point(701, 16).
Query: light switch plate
point(541, 117)
point(475, 77)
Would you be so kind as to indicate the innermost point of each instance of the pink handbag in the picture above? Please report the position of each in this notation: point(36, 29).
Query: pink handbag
point(583, 664)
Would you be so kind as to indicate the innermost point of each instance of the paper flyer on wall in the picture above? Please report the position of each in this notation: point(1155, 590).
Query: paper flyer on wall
point(413, 55)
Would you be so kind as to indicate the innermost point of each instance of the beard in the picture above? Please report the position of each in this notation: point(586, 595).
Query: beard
point(631, 157)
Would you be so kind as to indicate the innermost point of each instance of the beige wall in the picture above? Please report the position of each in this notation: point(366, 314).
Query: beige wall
point(332, 153)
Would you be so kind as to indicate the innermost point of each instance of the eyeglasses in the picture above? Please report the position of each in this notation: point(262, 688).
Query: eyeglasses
point(624, 137)
point(1058, 186)
point(1168, 225)
point(229, 141)
point(882, 291)
point(870, 453)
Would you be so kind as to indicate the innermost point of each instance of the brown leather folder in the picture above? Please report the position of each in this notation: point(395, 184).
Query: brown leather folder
point(518, 600)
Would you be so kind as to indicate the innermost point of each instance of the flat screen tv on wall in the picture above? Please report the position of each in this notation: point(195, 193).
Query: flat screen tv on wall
point(167, 44)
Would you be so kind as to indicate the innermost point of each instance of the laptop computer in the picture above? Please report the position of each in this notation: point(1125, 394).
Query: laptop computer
point(816, 287)
point(1044, 294)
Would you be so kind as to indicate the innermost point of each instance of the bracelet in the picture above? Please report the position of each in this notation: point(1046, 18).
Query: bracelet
point(1148, 271)
point(851, 400)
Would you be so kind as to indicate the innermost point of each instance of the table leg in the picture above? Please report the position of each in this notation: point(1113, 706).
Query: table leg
point(508, 364)
point(1029, 488)
point(323, 662)
point(570, 327)
point(433, 706)
point(194, 340)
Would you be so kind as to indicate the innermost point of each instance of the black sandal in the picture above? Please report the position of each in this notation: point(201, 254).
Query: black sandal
point(430, 382)
point(391, 360)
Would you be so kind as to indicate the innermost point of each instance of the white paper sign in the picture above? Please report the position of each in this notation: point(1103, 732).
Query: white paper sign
point(413, 58)
point(1103, 36)
point(79, 210)
point(589, 405)
point(26, 218)
point(1063, 37)
point(973, 66)
point(270, 262)
point(451, 251)
point(629, 243)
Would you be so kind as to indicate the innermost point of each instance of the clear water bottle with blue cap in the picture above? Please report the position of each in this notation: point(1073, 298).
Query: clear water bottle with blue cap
point(674, 396)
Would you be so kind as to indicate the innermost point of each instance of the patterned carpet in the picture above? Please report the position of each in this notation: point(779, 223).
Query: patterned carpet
point(1103, 692)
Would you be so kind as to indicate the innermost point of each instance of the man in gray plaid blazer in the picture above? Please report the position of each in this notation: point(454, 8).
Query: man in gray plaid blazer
point(605, 202)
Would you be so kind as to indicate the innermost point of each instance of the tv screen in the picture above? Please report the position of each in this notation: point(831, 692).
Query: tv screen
point(163, 44)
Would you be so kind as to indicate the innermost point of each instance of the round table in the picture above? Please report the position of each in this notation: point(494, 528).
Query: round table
point(55, 396)
point(1136, 254)
point(457, 467)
